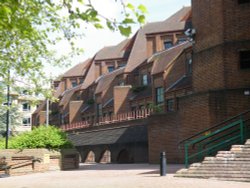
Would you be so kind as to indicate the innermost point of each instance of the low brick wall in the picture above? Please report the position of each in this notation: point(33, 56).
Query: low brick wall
point(19, 162)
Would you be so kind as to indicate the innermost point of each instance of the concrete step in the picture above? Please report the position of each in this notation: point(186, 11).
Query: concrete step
point(221, 168)
point(218, 172)
point(233, 179)
point(225, 166)
point(211, 175)
point(227, 162)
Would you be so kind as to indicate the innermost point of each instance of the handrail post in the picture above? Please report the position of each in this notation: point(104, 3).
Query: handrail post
point(186, 155)
point(241, 130)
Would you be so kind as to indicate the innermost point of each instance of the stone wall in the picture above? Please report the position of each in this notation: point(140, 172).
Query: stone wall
point(19, 162)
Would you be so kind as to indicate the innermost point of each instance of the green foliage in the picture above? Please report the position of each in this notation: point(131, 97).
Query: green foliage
point(90, 101)
point(28, 27)
point(42, 137)
point(156, 108)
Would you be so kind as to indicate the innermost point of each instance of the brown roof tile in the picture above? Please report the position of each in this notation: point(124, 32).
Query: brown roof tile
point(163, 59)
point(105, 80)
point(40, 108)
point(78, 70)
point(59, 90)
point(90, 76)
point(139, 51)
point(113, 52)
point(67, 95)
point(183, 82)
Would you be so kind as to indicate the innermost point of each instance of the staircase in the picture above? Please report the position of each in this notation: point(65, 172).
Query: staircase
point(233, 165)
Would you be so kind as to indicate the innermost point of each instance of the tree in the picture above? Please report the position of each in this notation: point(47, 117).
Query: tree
point(14, 118)
point(28, 27)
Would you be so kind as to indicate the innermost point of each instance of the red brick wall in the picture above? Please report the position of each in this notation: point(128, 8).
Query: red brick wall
point(121, 96)
point(234, 76)
point(208, 70)
point(75, 111)
point(167, 130)
point(207, 19)
point(222, 30)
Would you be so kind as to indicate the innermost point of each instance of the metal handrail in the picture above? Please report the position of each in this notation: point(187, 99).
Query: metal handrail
point(240, 136)
point(213, 127)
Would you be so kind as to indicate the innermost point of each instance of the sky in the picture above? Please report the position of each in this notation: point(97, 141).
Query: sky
point(94, 39)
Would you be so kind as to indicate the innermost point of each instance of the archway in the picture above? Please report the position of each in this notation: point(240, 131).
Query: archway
point(105, 157)
point(90, 157)
point(124, 157)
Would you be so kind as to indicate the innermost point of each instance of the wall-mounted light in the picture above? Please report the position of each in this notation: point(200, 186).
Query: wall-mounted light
point(247, 92)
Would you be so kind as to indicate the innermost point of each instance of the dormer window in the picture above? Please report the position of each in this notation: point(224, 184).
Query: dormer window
point(168, 44)
point(181, 40)
point(243, 1)
point(73, 83)
point(111, 68)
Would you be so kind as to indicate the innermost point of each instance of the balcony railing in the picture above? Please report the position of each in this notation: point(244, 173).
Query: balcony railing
point(128, 116)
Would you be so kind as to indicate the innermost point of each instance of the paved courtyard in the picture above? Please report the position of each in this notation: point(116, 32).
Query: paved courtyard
point(113, 176)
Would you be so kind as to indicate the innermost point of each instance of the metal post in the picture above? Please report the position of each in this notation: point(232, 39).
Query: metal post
point(47, 112)
point(8, 111)
point(163, 164)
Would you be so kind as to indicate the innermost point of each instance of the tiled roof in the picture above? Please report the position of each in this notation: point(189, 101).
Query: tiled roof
point(67, 95)
point(147, 92)
point(106, 80)
point(90, 77)
point(163, 59)
point(59, 90)
point(78, 70)
point(109, 103)
point(40, 108)
point(139, 51)
point(119, 135)
point(113, 52)
point(183, 82)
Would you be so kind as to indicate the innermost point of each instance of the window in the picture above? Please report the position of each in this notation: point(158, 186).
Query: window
point(73, 83)
point(121, 83)
point(26, 107)
point(181, 40)
point(99, 110)
point(243, 1)
point(111, 68)
point(145, 79)
point(168, 44)
point(170, 105)
point(26, 121)
point(159, 95)
point(245, 59)
point(121, 65)
point(80, 80)
point(189, 66)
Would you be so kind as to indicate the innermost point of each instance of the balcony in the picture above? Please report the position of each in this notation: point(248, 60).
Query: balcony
point(106, 120)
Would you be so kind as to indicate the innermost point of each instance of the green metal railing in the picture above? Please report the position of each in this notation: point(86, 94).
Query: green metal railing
point(221, 136)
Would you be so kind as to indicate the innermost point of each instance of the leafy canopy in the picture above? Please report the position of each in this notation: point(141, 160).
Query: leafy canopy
point(42, 137)
point(28, 27)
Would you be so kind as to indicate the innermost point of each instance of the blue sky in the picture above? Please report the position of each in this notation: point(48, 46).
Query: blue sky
point(94, 39)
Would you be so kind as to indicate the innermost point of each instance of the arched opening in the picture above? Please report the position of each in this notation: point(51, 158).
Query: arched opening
point(124, 157)
point(90, 157)
point(106, 157)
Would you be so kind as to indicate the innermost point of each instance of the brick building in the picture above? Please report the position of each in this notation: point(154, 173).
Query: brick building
point(191, 80)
